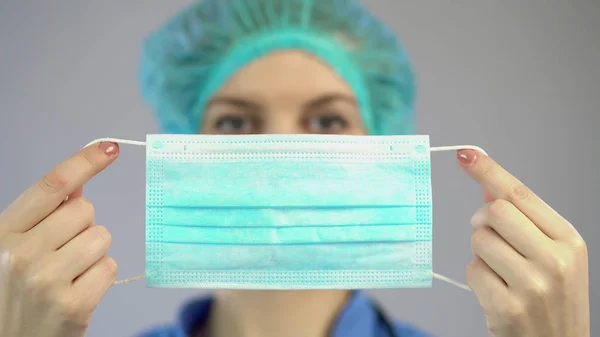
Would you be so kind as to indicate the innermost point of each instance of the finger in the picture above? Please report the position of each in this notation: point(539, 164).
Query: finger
point(76, 194)
point(487, 286)
point(93, 284)
point(83, 251)
point(502, 185)
point(514, 227)
point(487, 197)
point(499, 255)
point(49, 192)
point(69, 220)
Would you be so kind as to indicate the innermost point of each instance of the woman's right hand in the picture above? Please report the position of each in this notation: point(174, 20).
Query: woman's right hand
point(53, 267)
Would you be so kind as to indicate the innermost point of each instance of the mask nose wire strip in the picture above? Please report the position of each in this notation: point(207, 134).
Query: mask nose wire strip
point(432, 149)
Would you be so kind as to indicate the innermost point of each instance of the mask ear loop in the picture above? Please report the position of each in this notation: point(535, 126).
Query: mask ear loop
point(116, 140)
point(127, 142)
point(457, 148)
point(432, 149)
point(454, 148)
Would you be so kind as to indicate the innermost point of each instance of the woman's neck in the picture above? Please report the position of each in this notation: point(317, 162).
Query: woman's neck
point(253, 313)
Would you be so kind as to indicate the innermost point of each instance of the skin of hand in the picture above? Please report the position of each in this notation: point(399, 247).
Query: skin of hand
point(53, 267)
point(530, 272)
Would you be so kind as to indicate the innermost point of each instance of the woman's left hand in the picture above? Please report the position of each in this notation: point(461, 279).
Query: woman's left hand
point(530, 272)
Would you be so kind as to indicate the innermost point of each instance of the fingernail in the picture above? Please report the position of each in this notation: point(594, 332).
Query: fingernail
point(466, 157)
point(110, 149)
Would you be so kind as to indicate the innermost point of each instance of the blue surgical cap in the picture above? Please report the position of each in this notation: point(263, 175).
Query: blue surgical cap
point(190, 57)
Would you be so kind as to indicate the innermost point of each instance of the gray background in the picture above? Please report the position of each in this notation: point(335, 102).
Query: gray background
point(519, 78)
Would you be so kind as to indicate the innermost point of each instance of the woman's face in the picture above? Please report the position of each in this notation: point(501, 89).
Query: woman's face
point(285, 92)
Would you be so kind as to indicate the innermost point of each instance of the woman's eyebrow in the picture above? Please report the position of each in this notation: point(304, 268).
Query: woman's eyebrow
point(329, 98)
point(236, 101)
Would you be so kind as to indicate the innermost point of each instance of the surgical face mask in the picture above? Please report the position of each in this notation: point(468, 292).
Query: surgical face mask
point(288, 211)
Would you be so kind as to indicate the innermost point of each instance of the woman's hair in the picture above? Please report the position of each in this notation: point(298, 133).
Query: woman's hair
point(190, 57)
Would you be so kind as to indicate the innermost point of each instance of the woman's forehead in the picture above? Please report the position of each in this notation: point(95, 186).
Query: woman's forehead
point(285, 74)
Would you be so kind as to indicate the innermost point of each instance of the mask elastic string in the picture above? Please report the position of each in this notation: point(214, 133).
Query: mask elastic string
point(454, 148)
point(127, 142)
point(129, 280)
point(433, 149)
point(116, 140)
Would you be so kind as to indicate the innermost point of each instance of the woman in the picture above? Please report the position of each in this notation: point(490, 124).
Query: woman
point(283, 66)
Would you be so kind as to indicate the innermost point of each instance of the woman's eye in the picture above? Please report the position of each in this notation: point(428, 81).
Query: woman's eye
point(234, 125)
point(327, 124)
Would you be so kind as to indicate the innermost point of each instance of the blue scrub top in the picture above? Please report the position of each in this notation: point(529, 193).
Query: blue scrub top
point(357, 319)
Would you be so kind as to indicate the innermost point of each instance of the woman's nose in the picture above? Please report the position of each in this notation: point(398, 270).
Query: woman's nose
point(283, 123)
